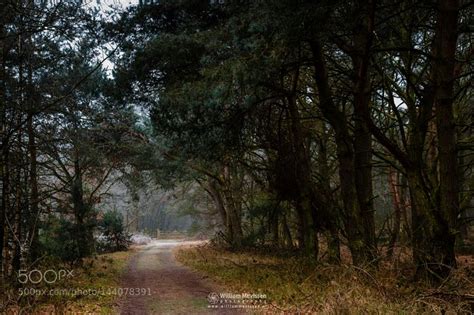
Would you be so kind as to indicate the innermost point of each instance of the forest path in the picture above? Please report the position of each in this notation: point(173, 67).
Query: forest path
point(171, 288)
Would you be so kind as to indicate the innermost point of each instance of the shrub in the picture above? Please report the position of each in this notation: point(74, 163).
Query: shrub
point(59, 238)
point(113, 235)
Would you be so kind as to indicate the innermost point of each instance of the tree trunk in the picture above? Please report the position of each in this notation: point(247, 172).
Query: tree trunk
point(81, 213)
point(236, 225)
point(219, 203)
point(275, 227)
point(434, 218)
point(287, 232)
point(228, 207)
point(362, 136)
point(362, 252)
point(4, 147)
point(5, 200)
point(307, 233)
point(18, 217)
point(405, 207)
point(444, 78)
point(432, 241)
point(396, 200)
point(329, 212)
point(33, 215)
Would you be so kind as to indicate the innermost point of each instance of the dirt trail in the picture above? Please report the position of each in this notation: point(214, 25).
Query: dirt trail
point(173, 288)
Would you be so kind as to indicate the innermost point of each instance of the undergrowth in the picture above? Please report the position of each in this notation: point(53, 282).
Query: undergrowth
point(90, 290)
point(295, 284)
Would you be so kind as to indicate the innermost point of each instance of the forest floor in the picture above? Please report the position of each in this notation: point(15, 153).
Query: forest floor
point(91, 289)
point(183, 277)
point(295, 284)
point(169, 287)
point(146, 279)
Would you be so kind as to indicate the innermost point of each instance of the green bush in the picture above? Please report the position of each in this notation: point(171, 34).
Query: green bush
point(59, 238)
point(113, 235)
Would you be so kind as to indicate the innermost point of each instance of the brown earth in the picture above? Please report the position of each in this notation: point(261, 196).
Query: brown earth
point(170, 287)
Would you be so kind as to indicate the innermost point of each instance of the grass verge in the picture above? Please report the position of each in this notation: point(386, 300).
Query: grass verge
point(297, 285)
point(93, 288)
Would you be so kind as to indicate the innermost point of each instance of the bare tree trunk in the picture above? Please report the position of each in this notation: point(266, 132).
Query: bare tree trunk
point(287, 232)
point(81, 213)
point(329, 211)
point(4, 146)
point(396, 200)
point(444, 62)
point(5, 200)
point(18, 217)
point(33, 215)
point(275, 227)
point(302, 172)
point(217, 198)
point(233, 202)
point(405, 207)
point(235, 223)
point(228, 203)
point(362, 136)
point(353, 223)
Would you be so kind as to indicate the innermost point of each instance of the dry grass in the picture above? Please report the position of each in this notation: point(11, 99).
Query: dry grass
point(99, 275)
point(295, 284)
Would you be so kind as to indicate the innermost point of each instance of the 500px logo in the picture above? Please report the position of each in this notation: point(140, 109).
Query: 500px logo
point(49, 276)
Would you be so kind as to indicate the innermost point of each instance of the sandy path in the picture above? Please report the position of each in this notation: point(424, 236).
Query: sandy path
point(173, 288)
